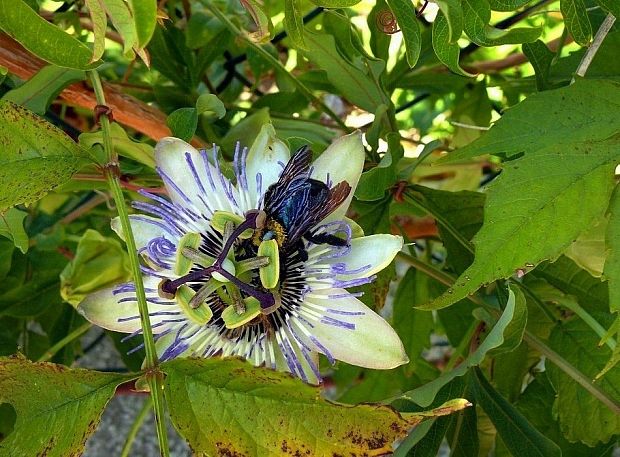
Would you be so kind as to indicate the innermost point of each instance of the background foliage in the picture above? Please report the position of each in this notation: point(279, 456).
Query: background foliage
point(493, 137)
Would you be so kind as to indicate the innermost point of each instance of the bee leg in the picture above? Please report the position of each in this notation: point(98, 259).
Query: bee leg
point(324, 238)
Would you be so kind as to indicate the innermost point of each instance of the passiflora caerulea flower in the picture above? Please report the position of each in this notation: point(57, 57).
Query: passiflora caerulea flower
point(256, 266)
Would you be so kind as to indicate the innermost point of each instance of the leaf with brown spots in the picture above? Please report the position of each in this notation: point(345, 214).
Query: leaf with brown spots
point(35, 156)
point(226, 407)
point(57, 407)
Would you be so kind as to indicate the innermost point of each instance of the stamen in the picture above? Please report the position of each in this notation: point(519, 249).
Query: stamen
point(204, 292)
point(184, 264)
point(200, 315)
point(251, 264)
point(270, 273)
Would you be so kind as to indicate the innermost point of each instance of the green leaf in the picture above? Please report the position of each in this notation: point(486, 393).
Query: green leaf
point(260, 18)
point(463, 211)
point(123, 22)
point(513, 334)
point(576, 19)
point(611, 6)
point(43, 38)
point(355, 83)
point(588, 250)
point(412, 325)
point(517, 433)
point(591, 293)
point(335, 3)
point(36, 156)
point(453, 13)
point(32, 284)
point(578, 344)
point(425, 394)
point(145, 17)
point(448, 53)
point(183, 123)
point(540, 57)
point(57, 407)
point(536, 404)
point(214, 403)
point(210, 105)
point(293, 23)
point(123, 144)
point(410, 28)
point(12, 227)
point(507, 5)
point(514, 236)
point(476, 25)
point(99, 19)
point(374, 182)
point(98, 262)
point(43, 87)
point(612, 263)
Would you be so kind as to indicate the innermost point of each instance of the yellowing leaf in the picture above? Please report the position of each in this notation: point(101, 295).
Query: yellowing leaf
point(228, 407)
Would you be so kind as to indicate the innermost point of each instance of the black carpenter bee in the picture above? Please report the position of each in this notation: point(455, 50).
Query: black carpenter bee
point(296, 203)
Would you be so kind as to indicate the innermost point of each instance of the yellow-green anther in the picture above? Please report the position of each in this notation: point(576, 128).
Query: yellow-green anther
point(183, 264)
point(227, 265)
point(197, 257)
point(200, 315)
point(204, 292)
point(270, 273)
point(251, 264)
point(219, 219)
point(233, 320)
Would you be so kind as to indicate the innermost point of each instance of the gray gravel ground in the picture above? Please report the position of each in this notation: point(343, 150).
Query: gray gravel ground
point(120, 413)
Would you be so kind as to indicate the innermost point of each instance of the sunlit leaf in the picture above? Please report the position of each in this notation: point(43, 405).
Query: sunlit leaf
point(576, 20)
point(293, 22)
point(36, 156)
point(572, 161)
point(99, 19)
point(12, 227)
point(453, 13)
point(507, 5)
point(145, 17)
point(476, 25)
point(43, 38)
point(410, 27)
point(183, 123)
point(57, 408)
point(215, 404)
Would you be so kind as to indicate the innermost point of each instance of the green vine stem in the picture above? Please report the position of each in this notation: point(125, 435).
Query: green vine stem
point(276, 64)
point(75, 334)
point(135, 427)
point(153, 375)
point(528, 337)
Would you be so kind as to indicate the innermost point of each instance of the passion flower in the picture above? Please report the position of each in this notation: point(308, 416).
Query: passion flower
point(256, 266)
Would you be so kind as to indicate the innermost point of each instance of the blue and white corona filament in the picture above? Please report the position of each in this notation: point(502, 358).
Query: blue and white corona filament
point(257, 266)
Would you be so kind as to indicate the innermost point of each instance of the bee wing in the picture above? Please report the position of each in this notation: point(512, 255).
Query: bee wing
point(318, 210)
point(298, 166)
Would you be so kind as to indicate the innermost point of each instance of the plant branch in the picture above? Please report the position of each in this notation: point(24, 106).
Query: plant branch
point(153, 375)
point(596, 44)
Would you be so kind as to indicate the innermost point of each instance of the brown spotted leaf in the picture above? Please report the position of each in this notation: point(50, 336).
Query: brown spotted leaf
point(35, 156)
point(227, 407)
point(57, 408)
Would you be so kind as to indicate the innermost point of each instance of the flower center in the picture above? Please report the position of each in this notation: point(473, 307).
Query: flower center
point(230, 273)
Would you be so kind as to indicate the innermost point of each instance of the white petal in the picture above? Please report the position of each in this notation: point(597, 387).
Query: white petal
point(186, 185)
point(145, 228)
point(104, 308)
point(368, 256)
point(265, 157)
point(343, 160)
point(372, 343)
